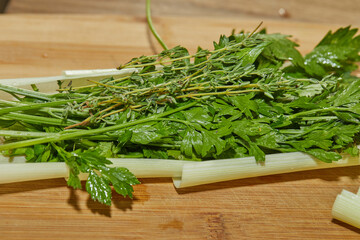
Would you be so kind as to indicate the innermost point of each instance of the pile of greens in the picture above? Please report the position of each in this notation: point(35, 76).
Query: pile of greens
point(253, 94)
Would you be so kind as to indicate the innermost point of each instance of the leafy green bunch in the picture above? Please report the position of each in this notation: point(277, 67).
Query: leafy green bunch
point(253, 94)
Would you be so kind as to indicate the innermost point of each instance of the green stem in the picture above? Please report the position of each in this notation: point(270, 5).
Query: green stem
point(49, 110)
point(24, 107)
point(29, 134)
point(191, 95)
point(291, 131)
point(176, 120)
point(11, 104)
point(102, 137)
point(311, 112)
point(25, 134)
point(54, 115)
point(319, 118)
point(151, 26)
point(163, 145)
point(25, 92)
point(88, 143)
point(67, 95)
point(134, 155)
point(37, 119)
point(78, 134)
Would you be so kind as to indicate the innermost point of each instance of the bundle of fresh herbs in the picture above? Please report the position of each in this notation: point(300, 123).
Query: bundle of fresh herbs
point(253, 94)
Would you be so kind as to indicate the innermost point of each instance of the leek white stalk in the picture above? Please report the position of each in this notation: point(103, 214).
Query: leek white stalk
point(197, 173)
point(184, 173)
point(142, 168)
point(346, 208)
point(21, 172)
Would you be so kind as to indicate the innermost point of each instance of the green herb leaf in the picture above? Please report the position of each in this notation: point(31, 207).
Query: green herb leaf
point(98, 188)
point(324, 155)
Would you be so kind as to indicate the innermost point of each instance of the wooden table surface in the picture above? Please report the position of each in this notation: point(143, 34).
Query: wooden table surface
point(285, 206)
point(344, 12)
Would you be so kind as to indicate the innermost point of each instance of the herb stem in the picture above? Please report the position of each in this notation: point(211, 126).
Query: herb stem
point(191, 95)
point(151, 26)
point(24, 107)
point(78, 134)
point(25, 134)
point(165, 145)
point(326, 118)
point(187, 123)
point(24, 92)
point(313, 111)
point(36, 119)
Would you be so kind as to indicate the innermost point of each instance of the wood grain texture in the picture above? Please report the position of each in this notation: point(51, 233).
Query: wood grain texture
point(331, 11)
point(285, 206)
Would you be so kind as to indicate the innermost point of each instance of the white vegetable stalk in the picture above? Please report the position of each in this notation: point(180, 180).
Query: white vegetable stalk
point(346, 208)
point(197, 173)
point(20, 172)
point(184, 173)
point(142, 168)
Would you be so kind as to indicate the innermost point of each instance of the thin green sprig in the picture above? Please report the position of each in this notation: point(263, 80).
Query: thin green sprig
point(151, 26)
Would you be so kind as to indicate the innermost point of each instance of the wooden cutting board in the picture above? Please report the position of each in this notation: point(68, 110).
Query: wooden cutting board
point(285, 206)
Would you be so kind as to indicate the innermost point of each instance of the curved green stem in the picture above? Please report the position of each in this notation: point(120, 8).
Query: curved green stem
point(313, 111)
point(26, 107)
point(79, 134)
point(24, 134)
point(25, 92)
point(36, 119)
point(151, 26)
point(164, 145)
point(187, 123)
